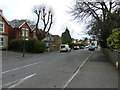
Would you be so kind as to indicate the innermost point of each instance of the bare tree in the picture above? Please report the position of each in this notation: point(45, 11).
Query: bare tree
point(44, 15)
point(101, 14)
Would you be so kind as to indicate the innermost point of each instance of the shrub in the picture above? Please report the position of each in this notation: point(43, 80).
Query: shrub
point(113, 40)
point(30, 45)
point(39, 47)
point(18, 44)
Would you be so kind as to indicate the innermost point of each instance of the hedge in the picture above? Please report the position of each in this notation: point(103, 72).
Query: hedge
point(113, 40)
point(31, 45)
point(39, 47)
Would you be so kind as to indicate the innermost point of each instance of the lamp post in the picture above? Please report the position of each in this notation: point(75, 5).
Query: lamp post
point(24, 43)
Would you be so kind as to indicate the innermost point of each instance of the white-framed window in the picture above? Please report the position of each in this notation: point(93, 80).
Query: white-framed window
point(47, 44)
point(25, 32)
point(1, 41)
point(1, 26)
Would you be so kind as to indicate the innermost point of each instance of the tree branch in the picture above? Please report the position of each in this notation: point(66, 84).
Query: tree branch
point(95, 15)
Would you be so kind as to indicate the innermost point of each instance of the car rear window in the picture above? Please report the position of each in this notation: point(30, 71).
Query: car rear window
point(62, 46)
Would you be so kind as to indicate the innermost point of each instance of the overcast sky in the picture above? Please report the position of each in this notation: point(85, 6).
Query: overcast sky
point(22, 9)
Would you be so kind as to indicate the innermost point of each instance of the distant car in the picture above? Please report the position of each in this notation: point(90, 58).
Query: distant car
point(91, 48)
point(76, 47)
point(86, 46)
point(64, 48)
point(81, 47)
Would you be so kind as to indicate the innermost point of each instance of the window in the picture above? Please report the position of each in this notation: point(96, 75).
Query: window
point(47, 44)
point(1, 41)
point(25, 32)
point(48, 38)
point(1, 26)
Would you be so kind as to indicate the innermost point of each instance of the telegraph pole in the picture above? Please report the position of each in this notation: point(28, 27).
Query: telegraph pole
point(24, 43)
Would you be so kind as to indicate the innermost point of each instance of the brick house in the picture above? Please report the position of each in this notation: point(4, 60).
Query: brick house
point(48, 40)
point(6, 32)
point(52, 41)
point(33, 29)
point(21, 29)
point(57, 40)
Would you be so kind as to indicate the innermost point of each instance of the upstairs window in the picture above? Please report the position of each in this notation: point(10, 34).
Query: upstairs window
point(1, 27)
point(25, 32)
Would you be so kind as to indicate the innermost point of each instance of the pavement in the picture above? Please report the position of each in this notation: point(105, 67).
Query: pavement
point(97, 72)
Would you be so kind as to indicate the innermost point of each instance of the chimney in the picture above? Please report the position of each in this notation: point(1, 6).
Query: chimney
point(1, 11)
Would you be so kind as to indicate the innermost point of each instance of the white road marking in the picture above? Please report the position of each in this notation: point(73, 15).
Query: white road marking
point(20, 67)
point(66, 84)
point(22, 80)
point(9, 83)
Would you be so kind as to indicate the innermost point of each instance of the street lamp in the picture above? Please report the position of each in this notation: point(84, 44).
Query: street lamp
point(24, 43)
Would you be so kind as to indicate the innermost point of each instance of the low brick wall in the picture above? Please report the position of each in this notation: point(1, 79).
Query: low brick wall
point(56, 48)
point(53, 48)
point(113, 56)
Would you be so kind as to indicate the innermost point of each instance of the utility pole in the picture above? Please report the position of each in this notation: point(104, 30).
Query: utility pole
point(24, 43)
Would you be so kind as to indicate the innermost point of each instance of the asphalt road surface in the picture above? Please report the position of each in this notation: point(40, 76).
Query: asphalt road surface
point(47, 70)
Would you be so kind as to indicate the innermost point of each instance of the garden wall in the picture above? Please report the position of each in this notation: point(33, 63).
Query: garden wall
point(113, 56)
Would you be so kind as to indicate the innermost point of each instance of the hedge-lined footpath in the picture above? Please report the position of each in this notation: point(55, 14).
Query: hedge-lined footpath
point(113, 41)
point(113, 50)
point(30, 45)
point(113, 56)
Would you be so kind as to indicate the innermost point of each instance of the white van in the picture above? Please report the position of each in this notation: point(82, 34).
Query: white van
point(64, 47)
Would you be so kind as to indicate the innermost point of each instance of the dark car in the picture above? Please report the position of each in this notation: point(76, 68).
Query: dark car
point(81, 47)
point(76, 47)
point(91, 48)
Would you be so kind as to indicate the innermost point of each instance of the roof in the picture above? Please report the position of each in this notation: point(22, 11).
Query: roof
point(32, 27)
point(17, 23)
point(56, 36)
point(4, 18)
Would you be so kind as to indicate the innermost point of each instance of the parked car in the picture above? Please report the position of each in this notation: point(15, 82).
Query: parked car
point(76, 47)
point(64, 48)
point(81, 47)
point(91, 48)
point(86, 46)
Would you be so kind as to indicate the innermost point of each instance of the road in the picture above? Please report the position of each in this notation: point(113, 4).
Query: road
point(47, 70)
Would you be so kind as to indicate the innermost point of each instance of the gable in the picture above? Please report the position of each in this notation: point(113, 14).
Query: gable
point(25, 25)
point(6, 26)
point(3, 19)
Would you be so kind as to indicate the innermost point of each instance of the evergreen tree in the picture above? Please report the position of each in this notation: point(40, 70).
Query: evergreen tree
point(66, 38)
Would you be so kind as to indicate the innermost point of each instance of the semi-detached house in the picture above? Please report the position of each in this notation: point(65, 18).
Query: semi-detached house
point(18, 29)
point(6, 32)
point(21, 29)
point(12, 30)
